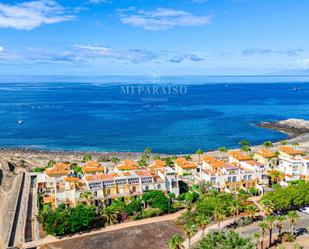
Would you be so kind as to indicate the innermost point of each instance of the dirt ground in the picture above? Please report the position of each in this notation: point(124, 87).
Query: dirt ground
point(151, 236)
point(303, 241)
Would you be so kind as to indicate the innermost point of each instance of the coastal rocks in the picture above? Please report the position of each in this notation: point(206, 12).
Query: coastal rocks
point(292, 127)
point(296, 123)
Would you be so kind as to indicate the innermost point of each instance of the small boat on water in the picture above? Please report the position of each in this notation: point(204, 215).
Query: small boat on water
point(20, 122)
point(296, 89)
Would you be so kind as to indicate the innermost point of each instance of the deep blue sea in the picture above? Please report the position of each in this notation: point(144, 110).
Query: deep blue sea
point(169, 114)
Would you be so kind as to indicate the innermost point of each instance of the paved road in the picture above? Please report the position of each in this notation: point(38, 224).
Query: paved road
point(53, 239)
point(303, 222)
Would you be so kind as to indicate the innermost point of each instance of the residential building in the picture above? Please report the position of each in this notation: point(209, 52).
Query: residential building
point(266, 157)
point(185, 168)
point(59, 185)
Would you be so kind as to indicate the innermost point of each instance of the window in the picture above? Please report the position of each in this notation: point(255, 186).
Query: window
point(249, 177)
point(133, 189)
point(146, 187)
point(174, 184)
point(229, 179)
point(234, 178)
point(158, 186)
point(108, 191)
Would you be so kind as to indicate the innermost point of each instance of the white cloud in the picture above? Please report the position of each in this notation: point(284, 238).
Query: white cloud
point(1, 49)
point(162, 18)
point(32, 14)
point(303, 64)
point(132, 55)
point(90, 54)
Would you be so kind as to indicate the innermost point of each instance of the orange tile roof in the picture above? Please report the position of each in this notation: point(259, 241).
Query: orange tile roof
point(265, 153)
point(48, 199)
point(180, 160)
point(158, 164)
point(99, 177)
point(289, 150)
point(183, 163)
point(240, 156)
point(71, 179)
point(58, 169)
point(254, 163)
point(142, 173)
point(127, 165)
point(92, 166)
point(213, 162)
point(208, 172)
point(92, 163)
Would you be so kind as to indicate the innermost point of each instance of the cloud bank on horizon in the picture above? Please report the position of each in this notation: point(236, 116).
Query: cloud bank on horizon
point(175, 37)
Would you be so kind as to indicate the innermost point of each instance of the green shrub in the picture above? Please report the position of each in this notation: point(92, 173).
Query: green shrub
point(151, 212)
point(38, 170)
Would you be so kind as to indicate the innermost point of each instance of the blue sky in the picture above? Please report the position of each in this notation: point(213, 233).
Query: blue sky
point(173, 37)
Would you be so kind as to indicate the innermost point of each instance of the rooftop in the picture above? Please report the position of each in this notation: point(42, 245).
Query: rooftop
point(184, 164)
point(58, 169)
point(289, 150)
point(265, 153)
point(239, 155)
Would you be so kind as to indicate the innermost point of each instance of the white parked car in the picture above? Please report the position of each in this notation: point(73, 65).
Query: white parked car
point(304, 210)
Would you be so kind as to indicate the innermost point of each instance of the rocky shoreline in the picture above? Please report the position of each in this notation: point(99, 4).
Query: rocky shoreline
point(297, 131)
point(292, 127)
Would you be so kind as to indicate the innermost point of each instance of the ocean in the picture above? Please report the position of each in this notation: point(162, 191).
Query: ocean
point(130, 113)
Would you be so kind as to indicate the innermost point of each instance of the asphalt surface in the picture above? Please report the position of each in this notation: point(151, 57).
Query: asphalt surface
point(303, 222)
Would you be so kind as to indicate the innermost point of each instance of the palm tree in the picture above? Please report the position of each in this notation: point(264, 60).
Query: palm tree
point(235, 208)
point(202, 220)
point(199, 152)
point(110, 215)
point(222, 150)
point(283, 142)
point(268, 207)
point(292, 218)
point(279, 224)
point(219, 215)
point(87, 158)
point(205, 186)
point(244, 143)
point(270, 221)
point(252, 211)
point(225, 239)
point(86, 197)
point(176, 242)
point(295, 144)
point(263, 227)
point(256, 237)
point(187, 157)
point(268, 144)
point(275, 175)
point(115, 160)
point(190, 229)
point(245, 148)
point(156, 157)
point(51, 163)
